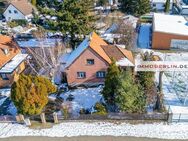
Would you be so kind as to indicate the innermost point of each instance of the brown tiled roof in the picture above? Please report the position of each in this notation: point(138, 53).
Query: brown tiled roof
point(118, 53)
point(113, 52)
point(23, 6)
point(128, 54)
point(7, 43)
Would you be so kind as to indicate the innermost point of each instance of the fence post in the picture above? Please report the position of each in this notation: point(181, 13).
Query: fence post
point(55, 117)
point(21, 117)
point(27, 122)
point(179, 117)
point(43, 119)
point(169, 115)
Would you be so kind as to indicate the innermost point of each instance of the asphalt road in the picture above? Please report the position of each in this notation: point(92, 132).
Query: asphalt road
point(84, 138)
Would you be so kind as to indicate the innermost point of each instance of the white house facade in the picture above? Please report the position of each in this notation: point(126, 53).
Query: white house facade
point(12, 13)
point(18, 9)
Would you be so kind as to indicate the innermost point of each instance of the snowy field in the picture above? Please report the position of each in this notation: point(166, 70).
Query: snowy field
point(70, 129)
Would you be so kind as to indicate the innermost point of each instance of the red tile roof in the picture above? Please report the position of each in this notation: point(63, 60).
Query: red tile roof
point(7, 43)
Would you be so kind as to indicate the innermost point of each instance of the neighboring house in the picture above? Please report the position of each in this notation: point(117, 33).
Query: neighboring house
point(19, 9)
point(159, 5)
point(169, 31)
point(89, 62)
point(11, 61)
point(182, 7)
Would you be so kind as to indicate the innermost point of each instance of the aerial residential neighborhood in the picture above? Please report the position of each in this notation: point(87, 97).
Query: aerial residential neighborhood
point(94, 70)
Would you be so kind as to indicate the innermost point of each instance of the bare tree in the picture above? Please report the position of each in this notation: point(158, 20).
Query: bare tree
point(45, 60)
point(126, 33)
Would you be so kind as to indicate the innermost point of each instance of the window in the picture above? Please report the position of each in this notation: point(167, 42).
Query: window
point(101, 74)
point(154, 5)
point(10, 11)
point(90, 61)
point(15, 11)
point(81, 74)
point(6, 51)
point(4, 76)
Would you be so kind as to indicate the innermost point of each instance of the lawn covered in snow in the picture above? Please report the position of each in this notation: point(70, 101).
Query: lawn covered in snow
point(70, 129)
point(83, 98)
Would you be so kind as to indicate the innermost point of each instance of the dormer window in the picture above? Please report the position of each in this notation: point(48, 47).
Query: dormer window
point(6, 51)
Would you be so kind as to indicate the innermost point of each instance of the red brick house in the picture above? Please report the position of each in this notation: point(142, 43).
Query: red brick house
point(89, 62)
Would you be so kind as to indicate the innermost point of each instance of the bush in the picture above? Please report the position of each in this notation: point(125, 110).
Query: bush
point(100, 109)
point(30, 94)
point(15, 23)
point(65, 112)
point(70, 98)
point(84, 111)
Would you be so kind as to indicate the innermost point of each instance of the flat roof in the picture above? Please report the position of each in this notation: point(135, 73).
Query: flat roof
point(172, 24)
point(13, 63)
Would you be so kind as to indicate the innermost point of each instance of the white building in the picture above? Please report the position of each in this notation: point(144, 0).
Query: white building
point(18, 9)
point(159, 5)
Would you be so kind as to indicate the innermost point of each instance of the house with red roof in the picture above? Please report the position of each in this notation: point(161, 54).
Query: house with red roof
point(88, 63)
point(12, 61)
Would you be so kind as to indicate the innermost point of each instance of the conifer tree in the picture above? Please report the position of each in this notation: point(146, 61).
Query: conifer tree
point(167, 6)
point(146, 79)
point(136, 7)
point(111, 83)
point(30, 94)
point(130, 96)
point(75, 18)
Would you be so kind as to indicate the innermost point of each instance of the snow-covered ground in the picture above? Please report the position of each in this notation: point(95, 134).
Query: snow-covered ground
point(144, 36)
point(83, 99)
point(175, 87)
point(69, 129)
point(7, 107)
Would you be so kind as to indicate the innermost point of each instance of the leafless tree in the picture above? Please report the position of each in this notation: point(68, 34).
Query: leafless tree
point(126, 33)
point(45, 60)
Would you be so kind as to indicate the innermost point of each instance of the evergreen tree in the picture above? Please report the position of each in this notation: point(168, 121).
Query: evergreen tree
point(30, 94)
point(136, 7)
point(167, 6)
point(102, 2)
point(130, 97)
point(75, 18)
point(111, 83)
point(146, 79)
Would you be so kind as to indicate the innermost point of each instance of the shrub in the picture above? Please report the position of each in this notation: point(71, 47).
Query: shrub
point(100, 109)
point(30, 94)
point(70, 98)
point(65, 112)
point(15, 23)
point(84, 111)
